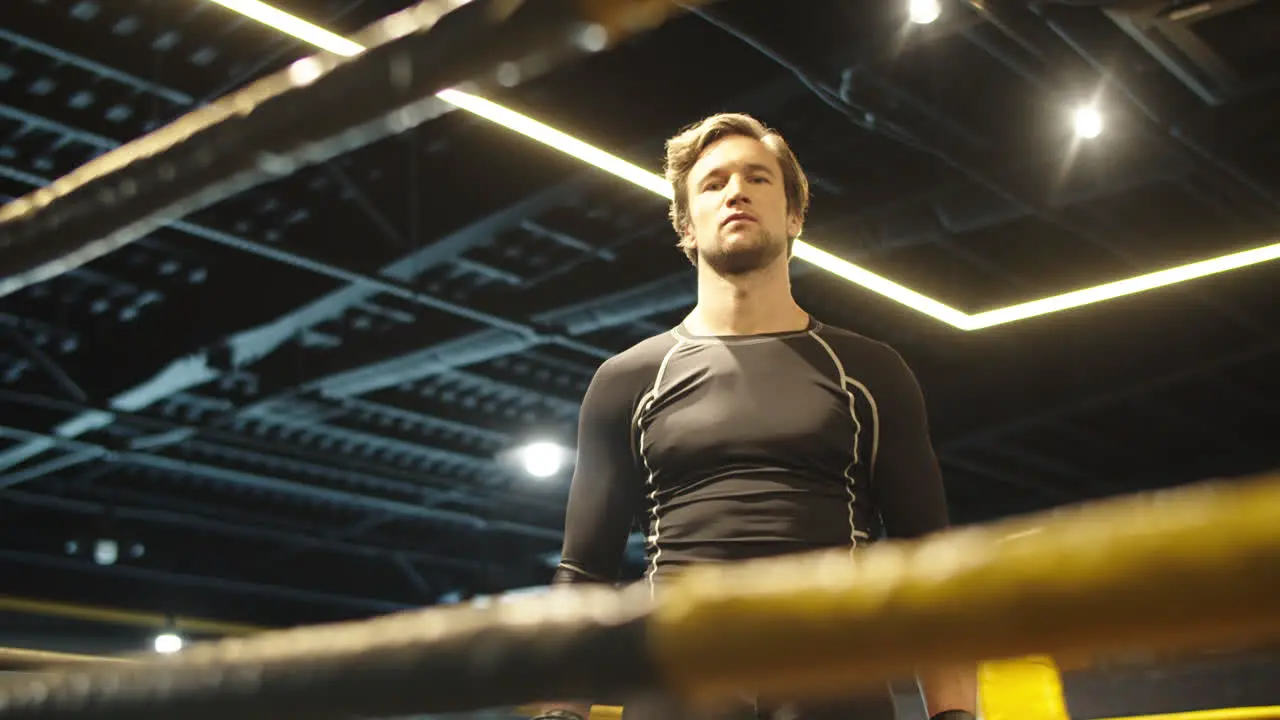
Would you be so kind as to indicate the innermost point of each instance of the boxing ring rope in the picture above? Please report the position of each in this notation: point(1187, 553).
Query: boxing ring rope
point(1180, 569)
point(320, 107)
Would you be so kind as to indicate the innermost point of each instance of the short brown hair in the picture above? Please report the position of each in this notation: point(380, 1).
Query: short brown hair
point(686, 146)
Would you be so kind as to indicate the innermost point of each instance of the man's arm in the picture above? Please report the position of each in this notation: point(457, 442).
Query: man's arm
point(603, 495)
point(907, 483)
point(606, 488)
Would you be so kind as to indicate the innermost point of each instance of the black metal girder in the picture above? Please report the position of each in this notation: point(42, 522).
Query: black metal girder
point(285, 486)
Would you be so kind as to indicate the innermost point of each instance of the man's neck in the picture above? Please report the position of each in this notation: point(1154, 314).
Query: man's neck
point(754, 304)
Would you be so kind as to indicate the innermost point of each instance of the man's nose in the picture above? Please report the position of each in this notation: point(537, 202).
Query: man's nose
point(736, 190)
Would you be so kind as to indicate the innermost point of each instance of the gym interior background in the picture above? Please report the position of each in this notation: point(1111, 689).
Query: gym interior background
point(233, 421)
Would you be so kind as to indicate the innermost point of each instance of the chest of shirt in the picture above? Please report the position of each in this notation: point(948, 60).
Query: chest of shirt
point(760, 405)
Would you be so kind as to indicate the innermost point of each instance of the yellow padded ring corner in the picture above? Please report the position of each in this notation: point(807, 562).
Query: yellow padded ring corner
point(1271, 712)
point(1027, 688)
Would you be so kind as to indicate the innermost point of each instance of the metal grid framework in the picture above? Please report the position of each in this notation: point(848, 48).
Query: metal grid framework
point(271, 444)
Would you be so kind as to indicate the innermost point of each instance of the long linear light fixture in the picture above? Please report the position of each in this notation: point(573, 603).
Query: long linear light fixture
point(549, 136)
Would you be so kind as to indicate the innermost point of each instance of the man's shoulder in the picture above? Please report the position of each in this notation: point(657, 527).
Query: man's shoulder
point(864, 348)
point(623, 379)
point(641, 361)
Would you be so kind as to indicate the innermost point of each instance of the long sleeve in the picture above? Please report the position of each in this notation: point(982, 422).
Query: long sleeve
point(908, 481)
point(607, 486)
point(913, 503)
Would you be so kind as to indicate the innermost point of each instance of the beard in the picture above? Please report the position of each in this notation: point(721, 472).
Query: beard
point(748, 253)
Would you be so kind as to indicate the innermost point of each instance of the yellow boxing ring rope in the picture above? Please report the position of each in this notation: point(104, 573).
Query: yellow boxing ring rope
point(1192, 568)
point(1022, 689)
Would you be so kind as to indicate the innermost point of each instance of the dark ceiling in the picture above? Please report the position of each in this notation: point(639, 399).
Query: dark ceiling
point(240, 398)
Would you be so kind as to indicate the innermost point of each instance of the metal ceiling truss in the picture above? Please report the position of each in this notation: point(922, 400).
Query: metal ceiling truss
point(326, 441)
point(170, 390)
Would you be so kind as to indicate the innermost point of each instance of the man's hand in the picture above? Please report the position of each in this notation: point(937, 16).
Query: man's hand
point(950, 689)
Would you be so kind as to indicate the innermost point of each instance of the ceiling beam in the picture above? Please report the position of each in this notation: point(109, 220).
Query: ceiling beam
point(152, 434)
point(226, 527)
point(271, 484)
point(100, 69)
point(204, 582)
point(1119, 392)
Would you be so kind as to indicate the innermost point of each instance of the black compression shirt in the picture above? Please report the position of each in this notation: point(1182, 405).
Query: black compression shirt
point(728, 448)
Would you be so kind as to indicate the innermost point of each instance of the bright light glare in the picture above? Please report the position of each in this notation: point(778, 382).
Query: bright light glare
point(168, 643)
point(542, 459)
point(106, 552)
point(1088, 123)
point(923, 12)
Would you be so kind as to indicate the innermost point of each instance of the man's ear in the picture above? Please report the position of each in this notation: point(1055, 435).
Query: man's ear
point(794, 226)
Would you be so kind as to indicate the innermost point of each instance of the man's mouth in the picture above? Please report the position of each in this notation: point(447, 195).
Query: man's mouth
point(737, 217)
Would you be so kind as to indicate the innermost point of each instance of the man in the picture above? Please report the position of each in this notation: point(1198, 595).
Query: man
point(751, 429)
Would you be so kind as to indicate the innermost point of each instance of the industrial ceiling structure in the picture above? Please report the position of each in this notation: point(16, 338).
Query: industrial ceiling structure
point(306, 403)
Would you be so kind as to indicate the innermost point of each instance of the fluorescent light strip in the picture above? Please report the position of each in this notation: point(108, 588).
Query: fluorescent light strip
point(553, 138)
point(1128, 286)
point(881, 285)
point(549, 136)
point(292, 25)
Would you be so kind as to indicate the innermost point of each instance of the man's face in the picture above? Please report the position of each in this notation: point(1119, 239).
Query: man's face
point(738, 216)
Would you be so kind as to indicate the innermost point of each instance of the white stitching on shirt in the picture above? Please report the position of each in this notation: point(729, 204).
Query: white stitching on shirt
point(850, 482)
point(646, 402)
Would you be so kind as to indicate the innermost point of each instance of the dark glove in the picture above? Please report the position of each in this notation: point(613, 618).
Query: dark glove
point(950, 715)
point(558, 715)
